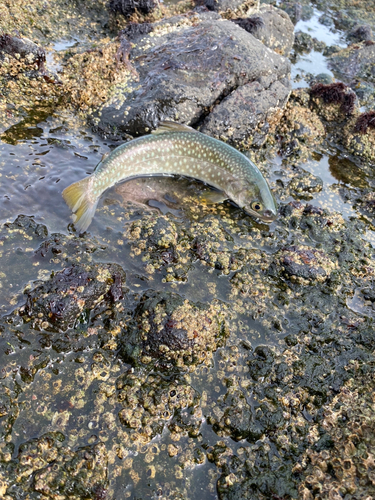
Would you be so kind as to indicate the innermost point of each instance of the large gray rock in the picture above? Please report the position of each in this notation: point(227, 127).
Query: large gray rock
point(186, 73)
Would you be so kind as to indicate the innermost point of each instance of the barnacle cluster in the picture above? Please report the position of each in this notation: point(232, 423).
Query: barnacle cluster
point(346, 465)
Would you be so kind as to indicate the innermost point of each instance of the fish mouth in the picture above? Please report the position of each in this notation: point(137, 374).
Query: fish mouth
point(267, 216)
point(267, 219)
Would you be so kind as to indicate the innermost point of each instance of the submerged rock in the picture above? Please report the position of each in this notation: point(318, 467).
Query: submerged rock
point(187, 70)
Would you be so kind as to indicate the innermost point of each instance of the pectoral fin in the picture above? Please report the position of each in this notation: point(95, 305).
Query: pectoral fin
point(169, 126)
point(212, 197)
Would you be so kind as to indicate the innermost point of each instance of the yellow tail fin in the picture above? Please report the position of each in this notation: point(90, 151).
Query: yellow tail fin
point(79, 198)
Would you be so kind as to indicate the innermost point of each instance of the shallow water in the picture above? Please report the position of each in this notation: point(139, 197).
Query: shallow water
point(46, 153)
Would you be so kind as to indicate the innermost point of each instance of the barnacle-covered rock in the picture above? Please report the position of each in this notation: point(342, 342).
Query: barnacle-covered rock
point(173, 330)
point(59, 302)
point(304, 264)
point(163, 244)
point(359, 136)
point(367, 202)
point(150, 400)
point(26, 225)
point(345, 464)
point(9, 412)
point(334, 101)
point(153, 233)
point(213, 244)
point(22, 49)
point(66, 249)
point(44, 465)
point(83, 473)
point(300, 122)
point(304, 185)
point(357, 61)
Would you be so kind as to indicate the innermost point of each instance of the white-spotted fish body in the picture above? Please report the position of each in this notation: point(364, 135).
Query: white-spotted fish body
point(180, 150)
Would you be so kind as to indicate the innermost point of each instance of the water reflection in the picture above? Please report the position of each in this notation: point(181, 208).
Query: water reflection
point(345, 171)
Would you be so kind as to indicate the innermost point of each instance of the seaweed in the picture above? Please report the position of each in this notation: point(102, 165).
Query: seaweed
point(250, 24)
point(364, 121)
point(335, 93)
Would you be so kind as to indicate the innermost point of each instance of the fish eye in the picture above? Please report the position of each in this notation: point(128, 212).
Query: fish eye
point(257, 206)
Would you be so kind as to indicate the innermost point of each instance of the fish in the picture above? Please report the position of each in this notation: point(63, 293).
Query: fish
point(175, 149)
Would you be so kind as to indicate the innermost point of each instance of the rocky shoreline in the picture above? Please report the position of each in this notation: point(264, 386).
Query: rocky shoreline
point(192, 350)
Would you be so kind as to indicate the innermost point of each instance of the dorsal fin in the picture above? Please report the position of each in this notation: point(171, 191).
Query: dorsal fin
point(169, 126)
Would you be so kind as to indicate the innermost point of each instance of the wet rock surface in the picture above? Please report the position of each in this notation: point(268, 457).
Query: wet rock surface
point(276, 30)
point(72, 293)
point(356, 61)
point(45, 466)
point(257, 116)
point(170, 329)
point(175, 84)
point(270, 398)
point(184, 350)
point(348, 422)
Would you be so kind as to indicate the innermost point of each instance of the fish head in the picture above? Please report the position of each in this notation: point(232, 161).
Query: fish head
point(256, 199)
